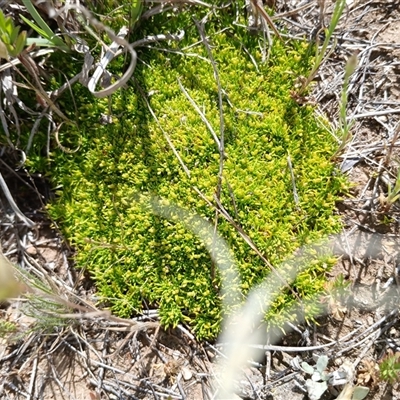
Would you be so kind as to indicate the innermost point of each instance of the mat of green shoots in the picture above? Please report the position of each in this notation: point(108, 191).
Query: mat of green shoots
point(141, 260)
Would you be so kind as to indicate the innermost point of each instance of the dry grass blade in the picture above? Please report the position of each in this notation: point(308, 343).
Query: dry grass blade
point(221, 141)
point(13, 205)
point(260, 12)
point(167, 138)
point(201, 114)
point(42, 95)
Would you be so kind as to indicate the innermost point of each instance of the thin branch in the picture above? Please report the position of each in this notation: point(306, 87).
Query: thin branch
point(202, 116)
point(29, 223)
point(167, 138)
point(221, 147)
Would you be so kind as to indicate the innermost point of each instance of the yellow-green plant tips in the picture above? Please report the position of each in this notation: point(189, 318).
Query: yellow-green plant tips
point(139, 259)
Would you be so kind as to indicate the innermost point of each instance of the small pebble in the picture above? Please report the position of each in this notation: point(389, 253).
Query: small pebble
point(394, 333)
point(31, 250)
point(186, 373)
point(210, 354)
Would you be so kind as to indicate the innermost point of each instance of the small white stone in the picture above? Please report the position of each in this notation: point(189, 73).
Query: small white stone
point(186, 373)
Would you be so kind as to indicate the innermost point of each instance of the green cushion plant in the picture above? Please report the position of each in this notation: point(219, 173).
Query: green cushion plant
point(138, 259)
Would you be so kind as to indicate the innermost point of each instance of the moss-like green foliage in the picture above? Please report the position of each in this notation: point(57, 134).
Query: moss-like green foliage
point(139, 259)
